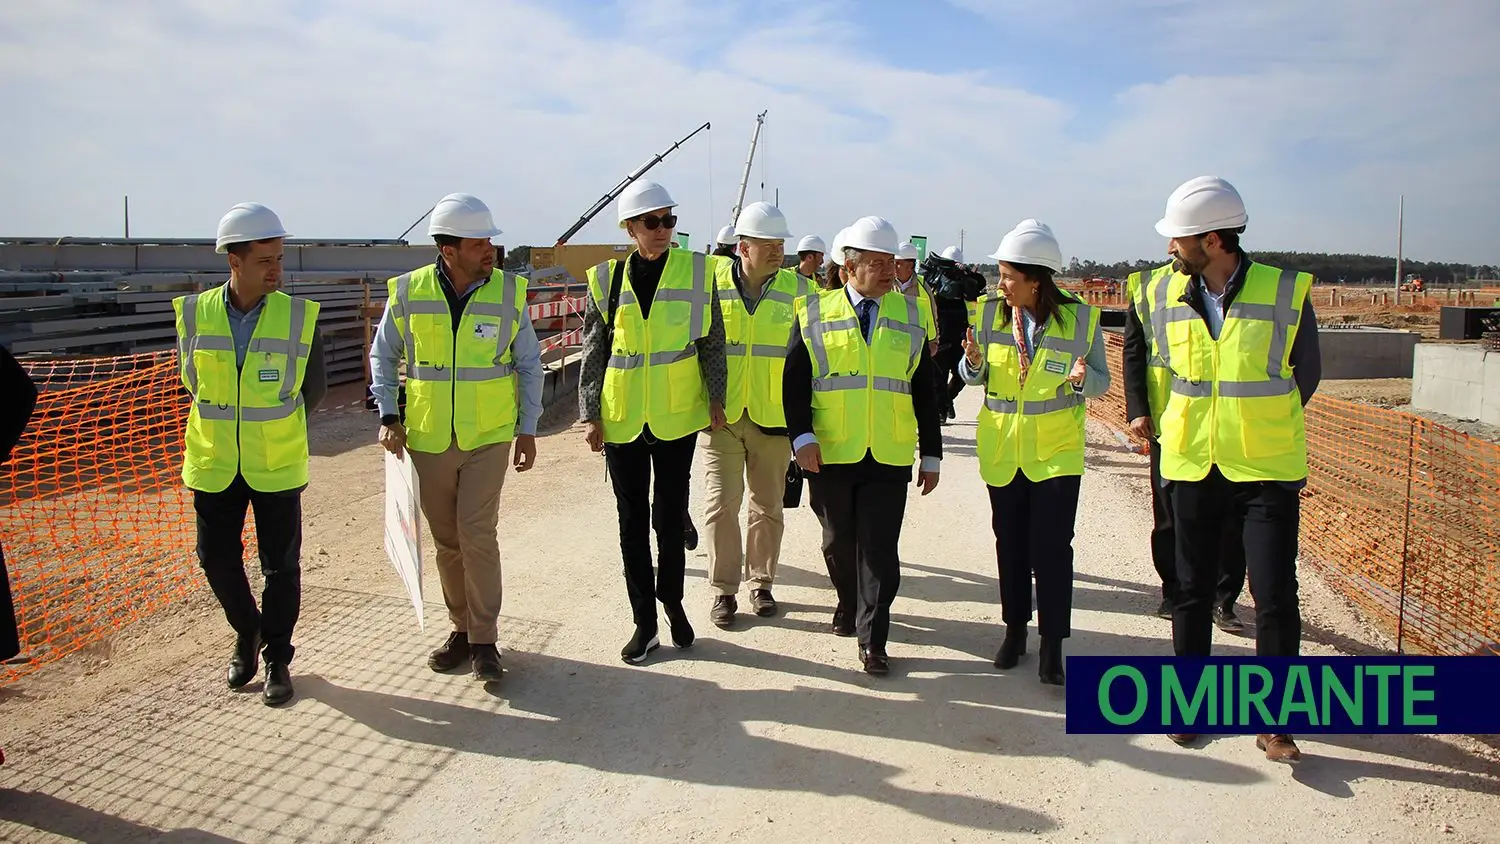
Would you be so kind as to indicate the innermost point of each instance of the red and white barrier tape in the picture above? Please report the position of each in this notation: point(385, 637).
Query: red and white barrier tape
point(556, 308)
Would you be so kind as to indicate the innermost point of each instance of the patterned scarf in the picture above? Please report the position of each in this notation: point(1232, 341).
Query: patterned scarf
point(1019, 333)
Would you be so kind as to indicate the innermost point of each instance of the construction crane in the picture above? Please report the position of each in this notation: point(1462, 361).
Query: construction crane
point(760, 120)
point(606, 199)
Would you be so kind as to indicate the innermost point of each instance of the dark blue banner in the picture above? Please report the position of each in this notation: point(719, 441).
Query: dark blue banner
point(1301, 695)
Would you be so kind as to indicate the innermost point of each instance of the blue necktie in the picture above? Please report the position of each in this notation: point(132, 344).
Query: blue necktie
point(866, 310)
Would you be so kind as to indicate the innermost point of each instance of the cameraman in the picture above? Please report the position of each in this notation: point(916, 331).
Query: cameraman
point(953, 286)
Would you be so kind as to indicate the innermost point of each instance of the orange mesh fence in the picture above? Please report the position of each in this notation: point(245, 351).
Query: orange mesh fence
point(1400, 514)
point(97, 528)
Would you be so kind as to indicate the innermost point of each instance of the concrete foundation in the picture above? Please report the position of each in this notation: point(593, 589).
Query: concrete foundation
point(1459, 380)
point(1366, 352)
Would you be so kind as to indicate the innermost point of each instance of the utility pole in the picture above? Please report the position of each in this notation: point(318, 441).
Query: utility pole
point(127, 216)
point(960, 240)
point(1400, 232)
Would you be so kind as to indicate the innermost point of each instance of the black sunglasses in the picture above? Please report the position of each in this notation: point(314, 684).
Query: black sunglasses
point(651, 223)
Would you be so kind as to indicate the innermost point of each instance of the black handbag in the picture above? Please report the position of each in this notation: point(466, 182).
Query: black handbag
point(792, 496)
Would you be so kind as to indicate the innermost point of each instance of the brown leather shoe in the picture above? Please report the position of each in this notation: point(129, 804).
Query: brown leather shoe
point(1278, 748)
point(1183, 739)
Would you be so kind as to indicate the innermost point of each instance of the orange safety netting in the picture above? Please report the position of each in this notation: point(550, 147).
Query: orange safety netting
point(1400, 514)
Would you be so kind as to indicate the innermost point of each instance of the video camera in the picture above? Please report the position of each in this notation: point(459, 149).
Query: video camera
point(951, 280)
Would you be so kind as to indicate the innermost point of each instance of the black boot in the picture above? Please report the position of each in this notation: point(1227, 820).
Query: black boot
point(640, 645)
point(245, 663)
point(1051, 662)
point(682, 630)
point(1013, 648)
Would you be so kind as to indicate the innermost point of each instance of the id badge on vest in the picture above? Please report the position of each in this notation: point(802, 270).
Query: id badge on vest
point(269, 374)
point(486, 331)
point(1056, 367)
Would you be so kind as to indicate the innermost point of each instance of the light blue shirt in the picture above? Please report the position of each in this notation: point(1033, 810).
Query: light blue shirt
point(1095, 364)
point(929, 464)
point(390, 347)
point(242, 326)
point(1213, 306)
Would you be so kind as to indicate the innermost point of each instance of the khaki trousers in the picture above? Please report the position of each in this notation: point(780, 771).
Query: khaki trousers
point(733, 454)
point(460, 493)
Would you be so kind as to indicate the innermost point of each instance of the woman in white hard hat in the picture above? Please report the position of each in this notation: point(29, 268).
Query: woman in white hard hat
point(1039, 352)
point(653, 376)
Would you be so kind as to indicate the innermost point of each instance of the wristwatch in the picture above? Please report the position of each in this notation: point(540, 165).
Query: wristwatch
point(389, 419)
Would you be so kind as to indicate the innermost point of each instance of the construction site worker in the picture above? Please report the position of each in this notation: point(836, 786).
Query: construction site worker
point(952, 328)
point(756, 298)
point(473, 398)
point(810, 252)
point(1240, 342)
point(1039, 353)
point(911, 284)
point(252, 360)
point(1147, 385)
point(859, 405)
point(726, 245)
point(653, 376)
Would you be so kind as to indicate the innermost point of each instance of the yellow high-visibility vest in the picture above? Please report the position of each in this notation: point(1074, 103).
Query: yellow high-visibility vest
point(861, 397)
point(926, 307)
point(460, 385)
point(1233, 401)
point(1037, 427)
point(755, 344)
point(1142, 290)
point(246, 420)
point(653, 376)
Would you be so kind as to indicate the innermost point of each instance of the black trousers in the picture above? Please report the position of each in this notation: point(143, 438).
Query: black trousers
point(1270, 513)
point(1231, 581)
point(642, 510)
point(861, 532)
point(1033, 524)
point(278, 533)
point(946, 359)
point(10, 629)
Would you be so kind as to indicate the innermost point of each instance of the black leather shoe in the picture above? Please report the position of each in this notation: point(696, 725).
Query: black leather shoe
point(682, 629)
point(1050, 661)
point(764, 604)
point(640, 646)
point(1225, 619)
point(485, 660)
point(843, 622)
point(689, 532)
point(278, 684)
point(451, 654)
point(245, 663)
point(1165, 610)
point(874, 663)
point(722, 614)
point(1013, 648)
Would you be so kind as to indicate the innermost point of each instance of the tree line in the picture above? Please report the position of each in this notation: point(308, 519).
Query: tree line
point(1327, 268)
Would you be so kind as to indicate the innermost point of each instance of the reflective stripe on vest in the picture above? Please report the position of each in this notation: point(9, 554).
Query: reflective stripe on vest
point(237, 424)
point(1233, 402)
point(460, 385)
point(1035, 427)
point(862, 391)
point(652, 377)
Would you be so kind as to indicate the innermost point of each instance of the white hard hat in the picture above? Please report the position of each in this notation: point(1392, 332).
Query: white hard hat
point(954, 254)
point(1030, 242)
point(905, 251)
point(1202, 205)
point(641, 197)
point(872, 234)
point(246, 222)
point(838, 246)
point(726, 237)
point(812, 243)
point(462, 215)
point(762, 220)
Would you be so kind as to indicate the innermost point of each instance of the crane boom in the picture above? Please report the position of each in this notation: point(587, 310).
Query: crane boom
point(609, 197)
point(739, 203)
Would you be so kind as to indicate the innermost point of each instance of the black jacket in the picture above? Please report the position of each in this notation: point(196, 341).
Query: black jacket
point(1306, 359)
point(797, 396)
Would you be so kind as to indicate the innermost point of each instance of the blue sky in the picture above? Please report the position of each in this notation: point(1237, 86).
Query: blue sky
point(350, 117)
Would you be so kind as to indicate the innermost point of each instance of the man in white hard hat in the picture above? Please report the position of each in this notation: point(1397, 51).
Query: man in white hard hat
point(473, 389)
point(653, 375)
point(911, 284)
point(1232, 441)
point(860, 404)
point(726, 244)
point(252, 358)
point(810, 251)
point(756, 297)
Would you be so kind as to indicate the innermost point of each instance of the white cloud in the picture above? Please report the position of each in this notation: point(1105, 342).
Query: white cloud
point(350, 117)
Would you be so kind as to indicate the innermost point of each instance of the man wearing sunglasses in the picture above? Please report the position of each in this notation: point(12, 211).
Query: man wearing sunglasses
point(653, 376)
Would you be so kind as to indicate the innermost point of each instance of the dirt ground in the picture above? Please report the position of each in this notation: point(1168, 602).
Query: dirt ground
point(764, 733)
